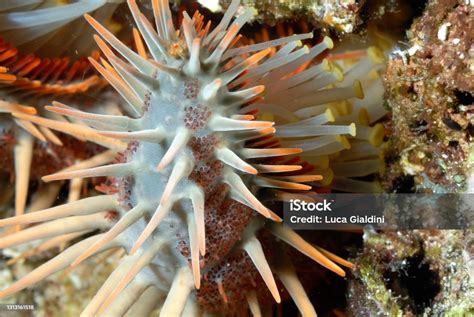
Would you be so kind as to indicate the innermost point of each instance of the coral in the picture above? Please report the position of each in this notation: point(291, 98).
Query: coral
point(429, 93)
point(429, 90)
point(395, 15)
point(341, 15)
point(412, 273)
point(442, 33)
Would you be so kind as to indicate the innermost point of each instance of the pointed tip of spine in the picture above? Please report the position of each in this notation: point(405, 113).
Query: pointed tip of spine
point(48, 178)
point(251, 170)
point(259, 89)
point(197, 283)
point(254, 249)
point(273, 216)
point(160, 166)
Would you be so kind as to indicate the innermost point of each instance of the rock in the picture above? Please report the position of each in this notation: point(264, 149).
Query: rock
point(429, 90)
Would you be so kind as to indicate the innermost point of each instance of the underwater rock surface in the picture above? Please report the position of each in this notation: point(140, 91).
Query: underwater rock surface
point(429, 89)
point(342, 15)
point(412, 273)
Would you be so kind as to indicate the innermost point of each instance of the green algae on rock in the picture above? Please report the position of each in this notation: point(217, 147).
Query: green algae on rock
point(406, 273)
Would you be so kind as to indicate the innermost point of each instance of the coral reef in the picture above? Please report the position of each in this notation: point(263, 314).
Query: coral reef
point(341, 15)
point(429, 89)
point(404, 273)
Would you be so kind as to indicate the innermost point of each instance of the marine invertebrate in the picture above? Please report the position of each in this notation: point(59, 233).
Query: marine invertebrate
point(26, 79)
point(35, 68)
point(40, 26)
point(182, 196)
point(343, 163)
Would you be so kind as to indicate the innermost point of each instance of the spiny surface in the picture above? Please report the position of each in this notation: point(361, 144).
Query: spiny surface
point(182, 196)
